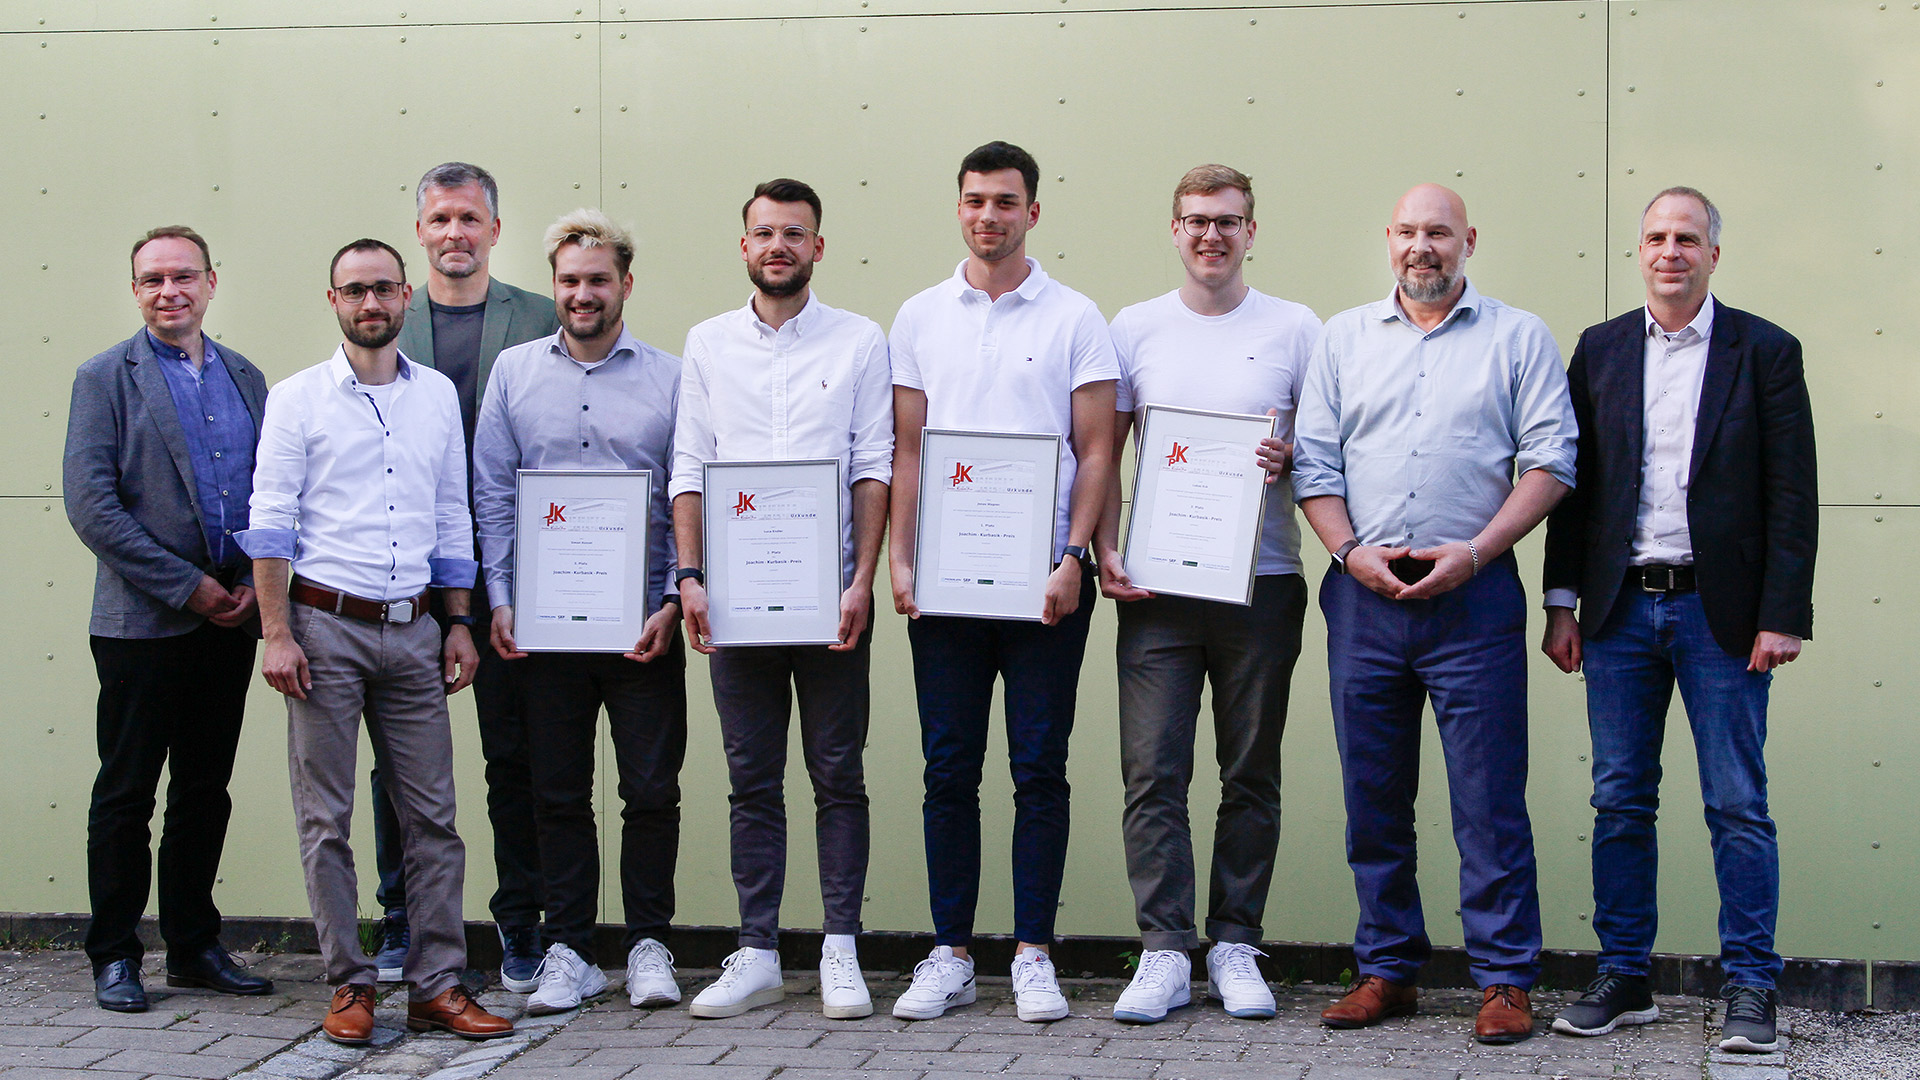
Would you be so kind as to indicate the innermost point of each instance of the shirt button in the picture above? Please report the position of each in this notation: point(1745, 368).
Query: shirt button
point(389, 507)
point(216, 453)
point(583, 408)
point(1423, 374)
point(393, 577)
point(583, 444)
point(396, 543)
point(209, 418)
point(389, 470)
point(1413, 494)
point(1416, 453)
point(227, 532)
point(224, 491)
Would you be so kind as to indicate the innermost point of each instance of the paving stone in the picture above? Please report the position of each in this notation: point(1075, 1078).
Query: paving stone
point(513, 1070)
point(1056, 1065)
point(95, 1016)
point(36, 1035)
point(171, 1041)
point(154, 1061)
point(846, 1074)
point(1052, 1046)
point(1171, 1050)
point(796, 1057)
point(1229, 1070)
point(936, 1060)
point(36, 1072)
point(1726, 1071)
point(719, 1036)
point(1666, 1070)
point(700, 1072)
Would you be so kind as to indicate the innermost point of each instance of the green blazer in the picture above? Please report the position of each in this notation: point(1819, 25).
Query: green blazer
point(513, 316)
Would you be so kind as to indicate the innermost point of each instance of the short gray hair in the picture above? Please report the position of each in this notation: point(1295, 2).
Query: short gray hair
point(589, 228)
point(1713, 212)
point(455, 174)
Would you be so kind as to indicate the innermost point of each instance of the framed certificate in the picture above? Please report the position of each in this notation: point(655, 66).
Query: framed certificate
point(580, 559)
point(985, 541)
point(1199, 502)
point(772, 541)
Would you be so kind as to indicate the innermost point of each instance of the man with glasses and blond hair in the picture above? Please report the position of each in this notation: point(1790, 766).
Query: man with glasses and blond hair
point(159, 465)
point(748, 393)
point(591, 396)
point(1214, 343)
point(359, 510)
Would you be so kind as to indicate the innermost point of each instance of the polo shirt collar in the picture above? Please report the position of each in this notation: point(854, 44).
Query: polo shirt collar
point(1029, 290)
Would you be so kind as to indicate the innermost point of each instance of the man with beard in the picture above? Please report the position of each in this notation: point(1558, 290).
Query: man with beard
point(747, 394)
point(1000, 346)
point(359, 506)
point(592, 397)
point(1419, 412)
point(457, 325)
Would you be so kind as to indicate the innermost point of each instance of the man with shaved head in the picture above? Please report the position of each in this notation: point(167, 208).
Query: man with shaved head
point(1434, 431)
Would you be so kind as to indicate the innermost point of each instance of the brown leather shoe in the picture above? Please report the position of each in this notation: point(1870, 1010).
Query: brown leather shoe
point(458, 1012)
point(1371, 1000)
point(1505, 1015)
point(350, 1020)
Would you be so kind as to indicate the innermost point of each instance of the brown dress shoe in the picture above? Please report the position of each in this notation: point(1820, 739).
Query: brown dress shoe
point(350, 1020)
point(1505, 1015)
point(458, 1012)
point(1371, 1000)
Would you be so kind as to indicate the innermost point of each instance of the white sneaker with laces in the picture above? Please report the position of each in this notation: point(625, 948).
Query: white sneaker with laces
point(748, 979)
point(565, 981)
point(1036, 992)
point(1233, 976)
point(940, 982)
point(650, 979)
point(843, 990)
point(1163, 980)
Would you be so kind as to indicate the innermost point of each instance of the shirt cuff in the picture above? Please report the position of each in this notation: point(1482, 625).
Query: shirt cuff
point(1565, 598)
point(267, 543)
point(452, 573)
point(500, 592)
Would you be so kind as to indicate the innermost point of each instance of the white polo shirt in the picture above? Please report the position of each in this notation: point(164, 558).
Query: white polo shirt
point(1010, 364)
point(1247, 361)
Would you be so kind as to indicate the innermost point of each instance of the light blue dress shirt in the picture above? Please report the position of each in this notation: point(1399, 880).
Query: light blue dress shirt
point(1423, 432)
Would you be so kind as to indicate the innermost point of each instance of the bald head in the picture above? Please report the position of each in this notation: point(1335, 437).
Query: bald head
point(1428, 241)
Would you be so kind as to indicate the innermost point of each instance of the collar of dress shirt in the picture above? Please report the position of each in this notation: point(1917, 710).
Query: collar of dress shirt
point(809, 314)
point(1702, 323)
point(1389, 309)
point(1029, 289)
point(625, 343)
point(340, 369)
point(169, 352)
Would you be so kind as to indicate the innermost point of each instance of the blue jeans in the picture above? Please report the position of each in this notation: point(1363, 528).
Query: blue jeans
point(955, 661)
point(1466, 650)
point(1650, 642)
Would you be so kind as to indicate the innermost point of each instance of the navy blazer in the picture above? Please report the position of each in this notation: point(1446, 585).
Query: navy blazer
point(129, 489)
point(1752, 507)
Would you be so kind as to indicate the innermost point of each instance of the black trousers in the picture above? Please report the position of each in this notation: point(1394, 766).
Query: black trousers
point(174, 701)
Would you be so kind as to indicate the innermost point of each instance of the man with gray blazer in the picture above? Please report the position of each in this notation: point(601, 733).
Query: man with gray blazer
point(159, 468)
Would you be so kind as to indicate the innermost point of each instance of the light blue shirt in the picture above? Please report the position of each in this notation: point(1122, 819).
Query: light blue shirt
point(1423, 432)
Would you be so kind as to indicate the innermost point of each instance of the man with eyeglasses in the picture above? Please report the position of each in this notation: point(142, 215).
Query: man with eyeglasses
point(359, 509)
point(592, 396)
point(1214, 343)
point(158, 468)
point(457, 325)
point(1000, 346)
point(748, 393)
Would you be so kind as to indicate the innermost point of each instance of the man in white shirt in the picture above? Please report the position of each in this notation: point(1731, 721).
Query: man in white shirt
point(359, 506)
point(1000, 346)
point(748, 393)
point(591, 396)
point(1214, 343)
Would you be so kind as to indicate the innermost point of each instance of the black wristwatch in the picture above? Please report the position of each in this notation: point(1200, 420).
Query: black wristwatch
point(1340, 556)
point(461, 620)
point(670, 598)
point(686, 572)
point(1079, 554)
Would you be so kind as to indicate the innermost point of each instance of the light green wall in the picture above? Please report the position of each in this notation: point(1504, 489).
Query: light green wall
point(282, 130)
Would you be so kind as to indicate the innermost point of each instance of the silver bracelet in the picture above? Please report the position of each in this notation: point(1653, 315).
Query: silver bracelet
point(1474, 552)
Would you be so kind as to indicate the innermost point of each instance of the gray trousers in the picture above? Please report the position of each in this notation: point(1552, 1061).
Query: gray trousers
point(753, 690)
point(1168, 647)
point(392, 673)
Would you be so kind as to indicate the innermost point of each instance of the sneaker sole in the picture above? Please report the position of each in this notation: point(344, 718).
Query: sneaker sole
point(189, 982)
point(847, 1012)
point(1046, 1016)
point(1625, 1019)
point(518, 986)
point(1244, 1012)
point(751, 1001)
point(1740, 1044)
point(545, 1009)
point(654, 1000)
point(908, 1012)
point(476, 1036)
point(1136, 1016)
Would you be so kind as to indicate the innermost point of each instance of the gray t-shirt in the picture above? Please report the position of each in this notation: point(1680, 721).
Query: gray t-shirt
point(456, 354)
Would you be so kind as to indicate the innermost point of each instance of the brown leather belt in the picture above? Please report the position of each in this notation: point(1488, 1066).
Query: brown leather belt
point(355, 607)
point(1661, 579)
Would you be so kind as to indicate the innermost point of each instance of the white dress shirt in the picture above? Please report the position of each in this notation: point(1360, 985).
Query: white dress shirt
point(368, 499)
point(1007, 365)
point(818, 387)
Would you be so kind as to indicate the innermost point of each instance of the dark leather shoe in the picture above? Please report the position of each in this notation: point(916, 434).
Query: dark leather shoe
point(350, 1019)
point(213, 969)
point(117, 987)
point(458, 1012)
point(1371, 1000)
point(1505, 1015)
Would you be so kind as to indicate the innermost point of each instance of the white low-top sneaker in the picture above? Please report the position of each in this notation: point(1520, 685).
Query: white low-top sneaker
point(1036, 992)
point(1164, 980)
point(1233, 977)
point(748, 979)
point(940, 982)
point(650, 975)
point(843, 990)
point(565, 980)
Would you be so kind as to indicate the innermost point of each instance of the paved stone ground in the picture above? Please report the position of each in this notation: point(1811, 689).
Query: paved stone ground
point(51, 1030)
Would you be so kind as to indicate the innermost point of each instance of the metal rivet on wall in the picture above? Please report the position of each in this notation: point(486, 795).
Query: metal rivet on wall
point(863, 262)
point(1459, 91)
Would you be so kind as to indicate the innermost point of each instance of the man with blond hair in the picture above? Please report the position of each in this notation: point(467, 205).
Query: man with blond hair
point(1214, 343)
point(591, 396)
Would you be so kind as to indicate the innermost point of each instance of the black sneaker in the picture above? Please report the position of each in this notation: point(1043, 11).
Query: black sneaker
point(395, 939)
point(520, 956)
point(1749, 1028)
point(1611, 1000)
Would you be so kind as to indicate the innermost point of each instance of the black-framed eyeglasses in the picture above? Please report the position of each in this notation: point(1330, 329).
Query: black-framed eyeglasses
point(793, 236)
point(384, 291)
point(1228, 224)
point(185, 279)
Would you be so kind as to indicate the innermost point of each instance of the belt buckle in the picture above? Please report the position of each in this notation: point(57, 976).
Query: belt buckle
point(1646, 579)
point(400, 611)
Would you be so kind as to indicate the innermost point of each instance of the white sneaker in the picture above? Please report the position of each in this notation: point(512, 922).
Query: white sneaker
point(843, 990)
point(748, 979)
point(1233, 976)
point(940, 982)
point(1036, 993)
point(650, 975)
point(1164, 980)
point(565, 981)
